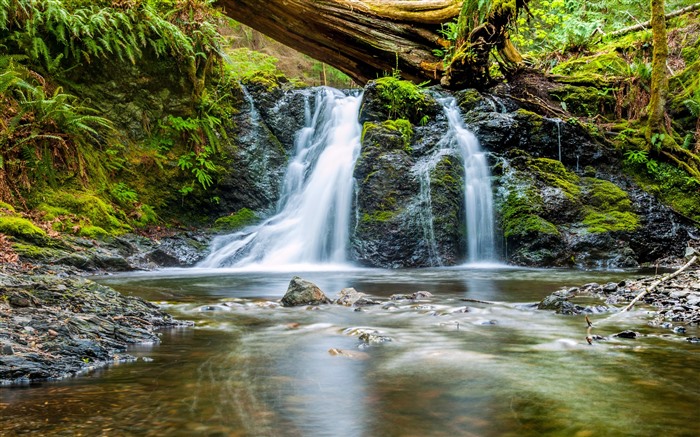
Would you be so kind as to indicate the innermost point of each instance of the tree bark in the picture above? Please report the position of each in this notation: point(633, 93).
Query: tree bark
point(659, 77)
point(362, 38)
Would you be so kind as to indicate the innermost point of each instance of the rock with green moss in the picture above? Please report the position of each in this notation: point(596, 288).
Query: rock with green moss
point(22, 229)
point(551, 216)
point(390, 98)
point(235, 221)
point(83, 209)
point(410, 197)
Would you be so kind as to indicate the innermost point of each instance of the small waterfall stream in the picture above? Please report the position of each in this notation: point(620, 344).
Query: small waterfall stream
point(312, 221)
point(478, 197)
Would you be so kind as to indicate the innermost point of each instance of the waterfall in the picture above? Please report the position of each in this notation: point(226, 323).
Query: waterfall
point(312, 219)
point(478, 197)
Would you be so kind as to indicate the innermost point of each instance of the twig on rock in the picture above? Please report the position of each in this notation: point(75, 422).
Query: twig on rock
point(653, 286)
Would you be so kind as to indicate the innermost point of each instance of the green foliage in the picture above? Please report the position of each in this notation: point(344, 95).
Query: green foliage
point(402, 99)
point(44, 132)
point(233, 222)
point(123, 195)
point(568, 25)
point(243, 63)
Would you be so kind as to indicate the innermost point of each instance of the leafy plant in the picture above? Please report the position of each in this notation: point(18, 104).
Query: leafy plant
point(44, 130)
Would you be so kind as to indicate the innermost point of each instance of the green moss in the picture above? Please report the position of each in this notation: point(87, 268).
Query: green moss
point(605, 195)
point(520, 215)
point(609, 221)
point(241, 218)
point(23, 229)
point(144, 215)
point(605, 64)
point(52, 212)
point(89, 209)
point(608, 208)
point(671, 185)
point(556, 175)
point(585, 101)
point(367, 127)
point(265, 79)
point(33, 252)
point(93, 232)
point(468, 99)
point(378, 216)
point(405, 128)
point(7, 206)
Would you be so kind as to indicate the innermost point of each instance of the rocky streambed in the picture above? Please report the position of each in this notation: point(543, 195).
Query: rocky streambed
point(675, 302)
point(55, 326)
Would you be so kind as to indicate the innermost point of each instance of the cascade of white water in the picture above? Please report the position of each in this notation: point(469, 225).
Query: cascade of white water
point(312, 221)
point(478, 197)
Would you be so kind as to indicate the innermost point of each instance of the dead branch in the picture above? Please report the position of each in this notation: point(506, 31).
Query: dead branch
point(653, 286)
point(647, 24)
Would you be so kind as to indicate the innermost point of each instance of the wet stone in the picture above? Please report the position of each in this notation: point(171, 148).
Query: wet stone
point(610, 287)
point(302, 292)
point(626, 334)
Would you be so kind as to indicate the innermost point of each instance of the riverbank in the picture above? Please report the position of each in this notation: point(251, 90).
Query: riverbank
point(673, 303)
point(55, 326)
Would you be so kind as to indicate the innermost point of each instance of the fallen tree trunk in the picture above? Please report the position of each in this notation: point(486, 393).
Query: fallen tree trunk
point(363, 39)
point(369, 38)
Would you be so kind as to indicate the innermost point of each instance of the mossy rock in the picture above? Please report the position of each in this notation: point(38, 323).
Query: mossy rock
point(402, 99)
point(93, 232)
point(606, 64)
point(610, 221)
point(556, 175)
point(85, 207)
point(22, 229)
point(520, 215)
point(37, 253)
point(584, 101)
point(7, 207)
point(240, 219)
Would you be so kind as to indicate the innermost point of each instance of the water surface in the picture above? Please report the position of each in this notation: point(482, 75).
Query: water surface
point(499, 369)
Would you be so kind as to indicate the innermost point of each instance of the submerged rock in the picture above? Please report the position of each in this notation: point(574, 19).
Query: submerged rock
point(302, 292)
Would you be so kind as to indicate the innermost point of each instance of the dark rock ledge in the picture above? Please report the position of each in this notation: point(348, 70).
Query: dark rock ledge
point(53, 327)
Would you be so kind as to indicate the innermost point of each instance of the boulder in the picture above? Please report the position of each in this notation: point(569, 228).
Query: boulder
point(302, 292)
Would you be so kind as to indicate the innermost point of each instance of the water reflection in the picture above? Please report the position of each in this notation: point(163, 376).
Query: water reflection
point(452, 367)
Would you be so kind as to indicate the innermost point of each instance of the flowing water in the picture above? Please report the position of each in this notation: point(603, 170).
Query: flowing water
point(453, 367)
point(313, 216)
point(478, 197)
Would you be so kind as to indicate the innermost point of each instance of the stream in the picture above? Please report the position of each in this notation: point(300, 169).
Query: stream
point(448, 367)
